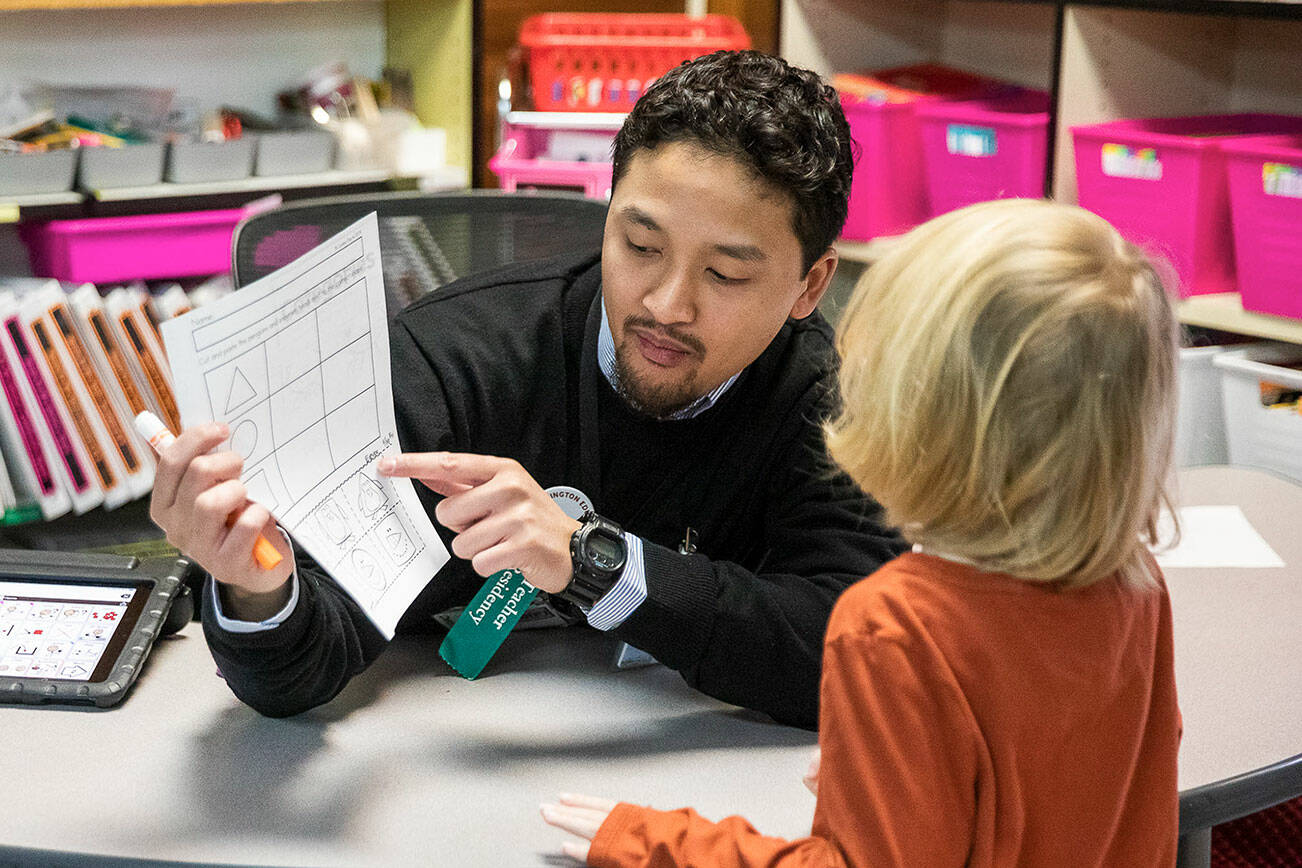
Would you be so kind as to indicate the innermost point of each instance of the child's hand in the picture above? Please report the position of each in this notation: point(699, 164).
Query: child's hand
point(581, 815)
point(811, 776)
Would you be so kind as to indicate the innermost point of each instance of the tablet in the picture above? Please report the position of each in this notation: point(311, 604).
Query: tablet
point(77, 628)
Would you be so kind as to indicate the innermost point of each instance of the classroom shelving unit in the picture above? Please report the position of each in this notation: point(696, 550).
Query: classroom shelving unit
point(1101, 60)
point(431, 39)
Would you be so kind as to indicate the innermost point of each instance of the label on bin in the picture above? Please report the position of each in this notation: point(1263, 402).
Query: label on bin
point(1281, 179)
point(970, 141)
point(1141, 164)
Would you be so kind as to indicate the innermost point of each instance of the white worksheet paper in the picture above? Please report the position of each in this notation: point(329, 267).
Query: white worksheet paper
point(1215, 536)
point(297, 364)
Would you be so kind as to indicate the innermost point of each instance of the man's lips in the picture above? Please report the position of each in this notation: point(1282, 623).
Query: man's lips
point(659, 350)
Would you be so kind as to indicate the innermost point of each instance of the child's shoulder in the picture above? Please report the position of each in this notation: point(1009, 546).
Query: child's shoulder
point(898, 598)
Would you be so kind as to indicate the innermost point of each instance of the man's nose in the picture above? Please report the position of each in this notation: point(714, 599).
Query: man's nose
point(673, 300)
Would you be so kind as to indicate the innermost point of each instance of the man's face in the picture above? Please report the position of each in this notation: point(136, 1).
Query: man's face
point(700, 268)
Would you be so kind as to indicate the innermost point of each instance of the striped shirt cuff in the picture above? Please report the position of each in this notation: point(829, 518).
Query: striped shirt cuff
point(626, 594)
point(230, 625)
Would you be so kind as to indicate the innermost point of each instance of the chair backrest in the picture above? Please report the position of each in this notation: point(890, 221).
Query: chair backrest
point(427, 240)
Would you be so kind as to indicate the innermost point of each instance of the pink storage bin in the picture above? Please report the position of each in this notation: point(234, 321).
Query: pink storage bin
point(568, 158)
point(1162, 183)
point(888, 192)
point(1265, 179)
point(990, 148)
point(146, 246)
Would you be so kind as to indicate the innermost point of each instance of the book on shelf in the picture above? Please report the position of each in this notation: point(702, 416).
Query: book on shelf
point(77, 364)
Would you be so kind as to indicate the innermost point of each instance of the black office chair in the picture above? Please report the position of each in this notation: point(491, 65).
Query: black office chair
point(427, 240)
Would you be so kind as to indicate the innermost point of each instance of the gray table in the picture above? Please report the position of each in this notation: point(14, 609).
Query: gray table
point(413, 765)
point(410, 765)
point(1238, 663)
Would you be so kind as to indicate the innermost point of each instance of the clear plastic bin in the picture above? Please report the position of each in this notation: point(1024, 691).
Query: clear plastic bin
point(1269, 438)
point(1200, 420)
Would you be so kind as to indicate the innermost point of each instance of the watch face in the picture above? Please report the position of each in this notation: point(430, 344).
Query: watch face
point(605, 552)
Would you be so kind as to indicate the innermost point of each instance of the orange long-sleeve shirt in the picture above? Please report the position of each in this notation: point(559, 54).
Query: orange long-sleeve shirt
point(968, 719)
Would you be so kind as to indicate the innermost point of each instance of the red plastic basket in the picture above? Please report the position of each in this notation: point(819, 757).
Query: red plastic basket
point(604, 61)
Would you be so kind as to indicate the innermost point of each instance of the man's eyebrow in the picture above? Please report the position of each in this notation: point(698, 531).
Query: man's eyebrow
point(637, 215)
point(744, 252)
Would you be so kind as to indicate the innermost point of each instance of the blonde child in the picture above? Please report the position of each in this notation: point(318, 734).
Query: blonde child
point(1004, 694)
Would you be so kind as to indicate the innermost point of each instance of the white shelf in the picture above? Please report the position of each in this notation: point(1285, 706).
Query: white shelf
point(244, 185)
point(1225, 311)
point(11, 207)
point(567, 120)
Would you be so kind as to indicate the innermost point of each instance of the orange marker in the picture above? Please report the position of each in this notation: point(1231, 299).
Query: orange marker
point(152, 429)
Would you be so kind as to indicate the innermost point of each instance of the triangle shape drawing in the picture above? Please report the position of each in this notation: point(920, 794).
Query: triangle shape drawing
point(241, 391)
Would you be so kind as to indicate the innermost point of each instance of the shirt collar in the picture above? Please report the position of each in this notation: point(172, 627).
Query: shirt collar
point(606, 360)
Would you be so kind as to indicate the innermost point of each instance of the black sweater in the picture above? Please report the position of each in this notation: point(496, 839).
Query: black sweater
point(505, 363)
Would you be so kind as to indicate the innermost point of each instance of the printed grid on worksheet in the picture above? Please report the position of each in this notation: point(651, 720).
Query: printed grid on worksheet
point(307, 386)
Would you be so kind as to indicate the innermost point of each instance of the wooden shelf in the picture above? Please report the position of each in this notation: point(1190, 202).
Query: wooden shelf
point(1224, 311)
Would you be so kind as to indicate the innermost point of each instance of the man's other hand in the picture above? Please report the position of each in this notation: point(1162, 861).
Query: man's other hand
point(502, 517)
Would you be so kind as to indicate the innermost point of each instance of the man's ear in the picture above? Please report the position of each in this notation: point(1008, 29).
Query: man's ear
point(817, 280)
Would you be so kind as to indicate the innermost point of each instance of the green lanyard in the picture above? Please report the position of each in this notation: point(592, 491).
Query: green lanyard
point(486, 622)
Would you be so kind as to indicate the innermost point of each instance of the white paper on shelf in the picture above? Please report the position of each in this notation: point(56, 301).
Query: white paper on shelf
point(1215, 536)
point(297, 364)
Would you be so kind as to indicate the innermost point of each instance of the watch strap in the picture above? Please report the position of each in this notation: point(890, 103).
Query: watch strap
point(587, 584)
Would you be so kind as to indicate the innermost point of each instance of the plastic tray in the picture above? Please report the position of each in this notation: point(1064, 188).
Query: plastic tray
point(601, 61)
point(199, 162)
point(138, 165)
point(41, 172)
point(568, 157)
point(294, 152)
point(140, 247)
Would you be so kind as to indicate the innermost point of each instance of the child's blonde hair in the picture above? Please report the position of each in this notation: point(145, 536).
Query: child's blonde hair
point(1008, 385)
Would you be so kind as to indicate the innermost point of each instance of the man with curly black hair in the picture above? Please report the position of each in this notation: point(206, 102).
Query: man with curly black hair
point(674, 383)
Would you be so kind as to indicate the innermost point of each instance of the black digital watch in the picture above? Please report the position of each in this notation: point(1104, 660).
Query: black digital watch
point(597, 553)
